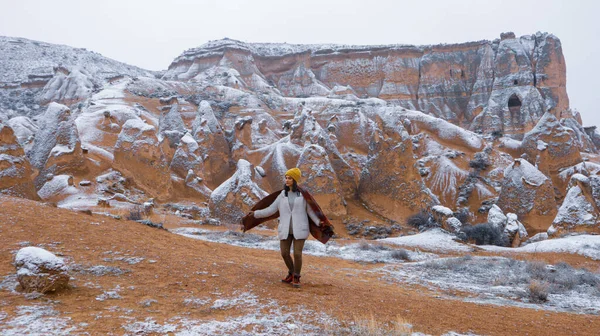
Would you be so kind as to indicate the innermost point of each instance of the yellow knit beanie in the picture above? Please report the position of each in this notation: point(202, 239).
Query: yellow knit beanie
point(294, 173)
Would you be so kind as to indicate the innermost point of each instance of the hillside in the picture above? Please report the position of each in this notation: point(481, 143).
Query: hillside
point(129, 278)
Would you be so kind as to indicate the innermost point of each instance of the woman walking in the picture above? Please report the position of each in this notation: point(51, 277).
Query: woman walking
point(298, 214)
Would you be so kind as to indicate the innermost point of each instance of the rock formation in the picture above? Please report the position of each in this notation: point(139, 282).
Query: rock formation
point(321, 181)
point(56, 147)
point(234, 197)
point(580, 210)
point(40, 271)
point(138, 156)
point(454, 82)
point(559, 143)
point(529, 194)
point(216, 153)
point(395, 128)
point(16, 174)
point(390, 183)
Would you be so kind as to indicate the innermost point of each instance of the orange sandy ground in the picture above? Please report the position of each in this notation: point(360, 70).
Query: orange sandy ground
point(327, 284)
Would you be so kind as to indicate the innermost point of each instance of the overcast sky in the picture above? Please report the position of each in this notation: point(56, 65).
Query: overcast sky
point(150, 34)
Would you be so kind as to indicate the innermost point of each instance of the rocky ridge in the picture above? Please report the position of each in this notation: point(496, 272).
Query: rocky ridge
point(394, 129)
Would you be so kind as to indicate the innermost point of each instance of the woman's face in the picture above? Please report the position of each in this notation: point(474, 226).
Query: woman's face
point(289, 181)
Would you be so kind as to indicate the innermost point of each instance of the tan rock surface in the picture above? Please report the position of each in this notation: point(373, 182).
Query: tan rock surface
point(321, 181)
point(209, 134)
point(16, 174)
point(233, 198)
point(138, 156)
point(390, 183)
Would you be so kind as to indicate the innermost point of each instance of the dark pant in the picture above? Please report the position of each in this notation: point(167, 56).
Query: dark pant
point(294, 266)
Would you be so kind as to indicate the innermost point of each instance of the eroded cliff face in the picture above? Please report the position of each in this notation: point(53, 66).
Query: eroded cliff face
point(392, 130)
point(502, 85)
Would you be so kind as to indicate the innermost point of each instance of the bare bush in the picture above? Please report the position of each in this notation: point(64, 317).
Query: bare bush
point(421, 220)
point(400, 254)
point(484, 234)
point(538, 291)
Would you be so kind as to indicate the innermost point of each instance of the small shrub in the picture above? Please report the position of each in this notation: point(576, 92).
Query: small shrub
point(135, 214)
point(401, 254)
point(372, 247)
point(480, 161)
point(484, 234)
point(537, 270)
point(152, 224)
point(420, 220)
point(538, 291)
point(462, 215)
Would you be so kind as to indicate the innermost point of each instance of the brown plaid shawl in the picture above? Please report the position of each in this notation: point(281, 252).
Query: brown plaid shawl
point(321, 233)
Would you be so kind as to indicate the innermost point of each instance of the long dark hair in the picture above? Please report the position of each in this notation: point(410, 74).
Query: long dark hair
point(294, 189)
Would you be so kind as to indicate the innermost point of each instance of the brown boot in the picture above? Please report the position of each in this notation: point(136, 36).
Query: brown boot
point(296, 281)
point(288, 279)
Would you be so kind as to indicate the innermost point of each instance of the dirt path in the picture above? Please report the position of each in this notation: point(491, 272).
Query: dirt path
point(177, 268)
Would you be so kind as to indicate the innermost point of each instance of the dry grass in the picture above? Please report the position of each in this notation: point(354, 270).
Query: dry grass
point(370, 326)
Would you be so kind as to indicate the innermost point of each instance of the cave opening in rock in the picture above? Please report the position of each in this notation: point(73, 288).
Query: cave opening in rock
point(514, 106)
point(514, 101)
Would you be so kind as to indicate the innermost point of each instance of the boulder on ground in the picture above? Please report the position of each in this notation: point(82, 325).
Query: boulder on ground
point(40, 271)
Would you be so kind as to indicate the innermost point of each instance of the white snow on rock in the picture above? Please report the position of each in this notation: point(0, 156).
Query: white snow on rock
point(133, 133)
point(541, 145)
point(538, 237)
point(33, 259)
point(54, 122)
point(496, 217)
point(22, 58)
point(524, 171)
point(172, 122)
point(444, 129)
point(442, 210)
point(433, 240)
point(236, 195)
point(24, 130)
point(513, 226)
point(575, 209)
point(510, 143)
point(454, 224)
point(58, 185)
point(74, 85)
point(205, 118)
